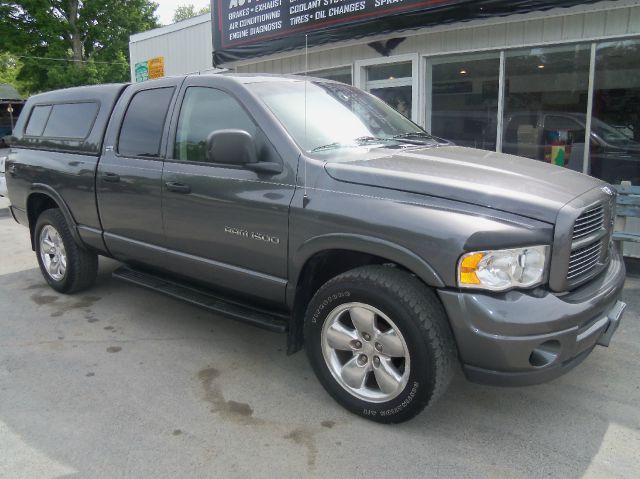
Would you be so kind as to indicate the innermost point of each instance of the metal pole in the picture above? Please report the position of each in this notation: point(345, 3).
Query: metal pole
point(501, 91)
point(587, 132)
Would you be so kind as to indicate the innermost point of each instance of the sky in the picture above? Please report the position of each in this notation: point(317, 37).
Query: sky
point(166, 8)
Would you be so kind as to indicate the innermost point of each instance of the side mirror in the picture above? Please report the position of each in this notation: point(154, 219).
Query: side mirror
point(237, 147)
point(595, 143)
point(233, 147)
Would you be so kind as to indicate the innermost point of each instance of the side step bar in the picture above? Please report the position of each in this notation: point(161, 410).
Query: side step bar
point(263, 319)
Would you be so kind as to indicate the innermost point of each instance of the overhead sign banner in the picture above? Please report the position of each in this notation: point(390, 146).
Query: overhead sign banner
point(246, 29)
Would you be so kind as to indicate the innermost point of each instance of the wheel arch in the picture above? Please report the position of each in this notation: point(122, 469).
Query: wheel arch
point(324, 257)
point(43, 197)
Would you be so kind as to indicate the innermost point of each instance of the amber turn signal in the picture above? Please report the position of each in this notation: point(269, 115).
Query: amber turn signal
point(468, 268)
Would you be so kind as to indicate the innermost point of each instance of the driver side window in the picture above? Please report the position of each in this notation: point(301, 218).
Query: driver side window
point(205, 110)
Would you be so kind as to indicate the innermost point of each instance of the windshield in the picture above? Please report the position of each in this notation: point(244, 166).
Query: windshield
point(337, 116)
point(608, 133)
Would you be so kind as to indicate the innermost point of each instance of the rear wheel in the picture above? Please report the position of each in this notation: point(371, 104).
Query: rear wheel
point(67, 267)
point(379, 342)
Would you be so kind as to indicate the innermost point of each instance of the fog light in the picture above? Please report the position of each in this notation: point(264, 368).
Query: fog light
point(545, 354)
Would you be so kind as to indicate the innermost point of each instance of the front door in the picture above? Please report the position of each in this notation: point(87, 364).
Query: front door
point(129, 175)
point(225, 225)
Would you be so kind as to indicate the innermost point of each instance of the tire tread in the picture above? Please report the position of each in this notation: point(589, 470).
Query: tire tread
point(82, 265)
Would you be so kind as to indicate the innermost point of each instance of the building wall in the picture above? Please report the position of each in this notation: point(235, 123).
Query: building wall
point(186, 46)
point(595, 21)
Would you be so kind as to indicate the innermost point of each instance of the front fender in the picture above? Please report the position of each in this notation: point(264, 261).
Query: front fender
point(364, 244)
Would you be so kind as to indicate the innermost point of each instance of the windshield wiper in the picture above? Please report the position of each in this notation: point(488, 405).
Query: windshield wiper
point(361, 140)
point(416, 136)
point(330, 146)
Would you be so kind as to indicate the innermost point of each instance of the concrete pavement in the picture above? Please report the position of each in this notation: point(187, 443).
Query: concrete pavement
point(122, 382)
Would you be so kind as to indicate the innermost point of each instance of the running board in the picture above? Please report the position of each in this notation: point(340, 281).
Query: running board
point(263, 319)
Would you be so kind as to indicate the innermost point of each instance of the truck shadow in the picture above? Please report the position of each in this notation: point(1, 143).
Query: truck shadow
point(575, 425)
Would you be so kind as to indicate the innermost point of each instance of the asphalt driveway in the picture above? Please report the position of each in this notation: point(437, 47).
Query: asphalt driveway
point(122, 382)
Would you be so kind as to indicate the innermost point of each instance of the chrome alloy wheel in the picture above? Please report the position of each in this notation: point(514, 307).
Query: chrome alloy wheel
point(52, 253)
point(365, 352)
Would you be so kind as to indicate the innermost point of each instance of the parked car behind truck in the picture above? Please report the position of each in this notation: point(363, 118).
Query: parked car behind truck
point(613, 156)
point(311, 208)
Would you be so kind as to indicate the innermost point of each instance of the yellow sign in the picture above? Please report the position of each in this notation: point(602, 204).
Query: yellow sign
point(156, 67)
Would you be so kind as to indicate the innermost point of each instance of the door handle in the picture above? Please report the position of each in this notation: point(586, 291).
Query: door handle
point(110, 177)
point(177, 187)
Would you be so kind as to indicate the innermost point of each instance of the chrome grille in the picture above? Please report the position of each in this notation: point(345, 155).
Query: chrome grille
point(583, 260)
point(582, 240)
point(588, 222)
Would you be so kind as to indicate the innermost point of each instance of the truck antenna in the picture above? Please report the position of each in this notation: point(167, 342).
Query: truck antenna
point(305, 198)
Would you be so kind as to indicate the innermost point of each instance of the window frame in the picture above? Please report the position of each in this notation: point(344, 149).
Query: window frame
point(360, 79)
point(427, 66)
point(161, 155)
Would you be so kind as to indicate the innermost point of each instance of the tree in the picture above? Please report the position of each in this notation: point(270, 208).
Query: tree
point(9, 69)
point(184, 12)
point(72, 42)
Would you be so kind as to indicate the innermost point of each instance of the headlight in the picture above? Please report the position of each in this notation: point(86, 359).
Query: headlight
point(503, 269)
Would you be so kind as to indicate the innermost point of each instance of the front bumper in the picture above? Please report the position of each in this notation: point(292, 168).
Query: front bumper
point(3, 185)
point(521, 338)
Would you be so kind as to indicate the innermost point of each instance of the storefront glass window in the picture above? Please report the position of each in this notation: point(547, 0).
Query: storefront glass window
point(546, 93)
point(615, 127)
point(464, 99)
point(342, 74)
point(392, 83)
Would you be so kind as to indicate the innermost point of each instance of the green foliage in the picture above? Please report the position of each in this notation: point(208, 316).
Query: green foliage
point(9, 69)
point(89, 39)
point(184, 12)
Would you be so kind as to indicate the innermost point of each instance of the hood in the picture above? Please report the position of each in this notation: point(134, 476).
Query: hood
point(494, 180)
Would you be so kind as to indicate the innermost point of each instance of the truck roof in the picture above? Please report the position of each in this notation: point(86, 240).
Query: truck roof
point(246, 78)
point(98, 92)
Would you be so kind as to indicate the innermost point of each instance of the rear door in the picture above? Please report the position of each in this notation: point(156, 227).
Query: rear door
point(224, 225)
point(129, 176)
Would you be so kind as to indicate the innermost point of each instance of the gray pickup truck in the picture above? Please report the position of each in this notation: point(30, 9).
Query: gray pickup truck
point(311, 208)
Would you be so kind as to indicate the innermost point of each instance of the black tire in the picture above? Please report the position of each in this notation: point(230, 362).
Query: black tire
point(81, 265)
point(420, 318)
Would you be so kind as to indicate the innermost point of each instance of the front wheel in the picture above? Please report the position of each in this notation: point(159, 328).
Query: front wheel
point(379, 341)
point(66, 266)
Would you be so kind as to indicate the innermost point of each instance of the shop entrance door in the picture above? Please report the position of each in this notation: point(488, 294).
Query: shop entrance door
point(394, 82)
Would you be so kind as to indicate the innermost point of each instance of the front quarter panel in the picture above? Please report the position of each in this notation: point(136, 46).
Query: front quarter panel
point(427, 235)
